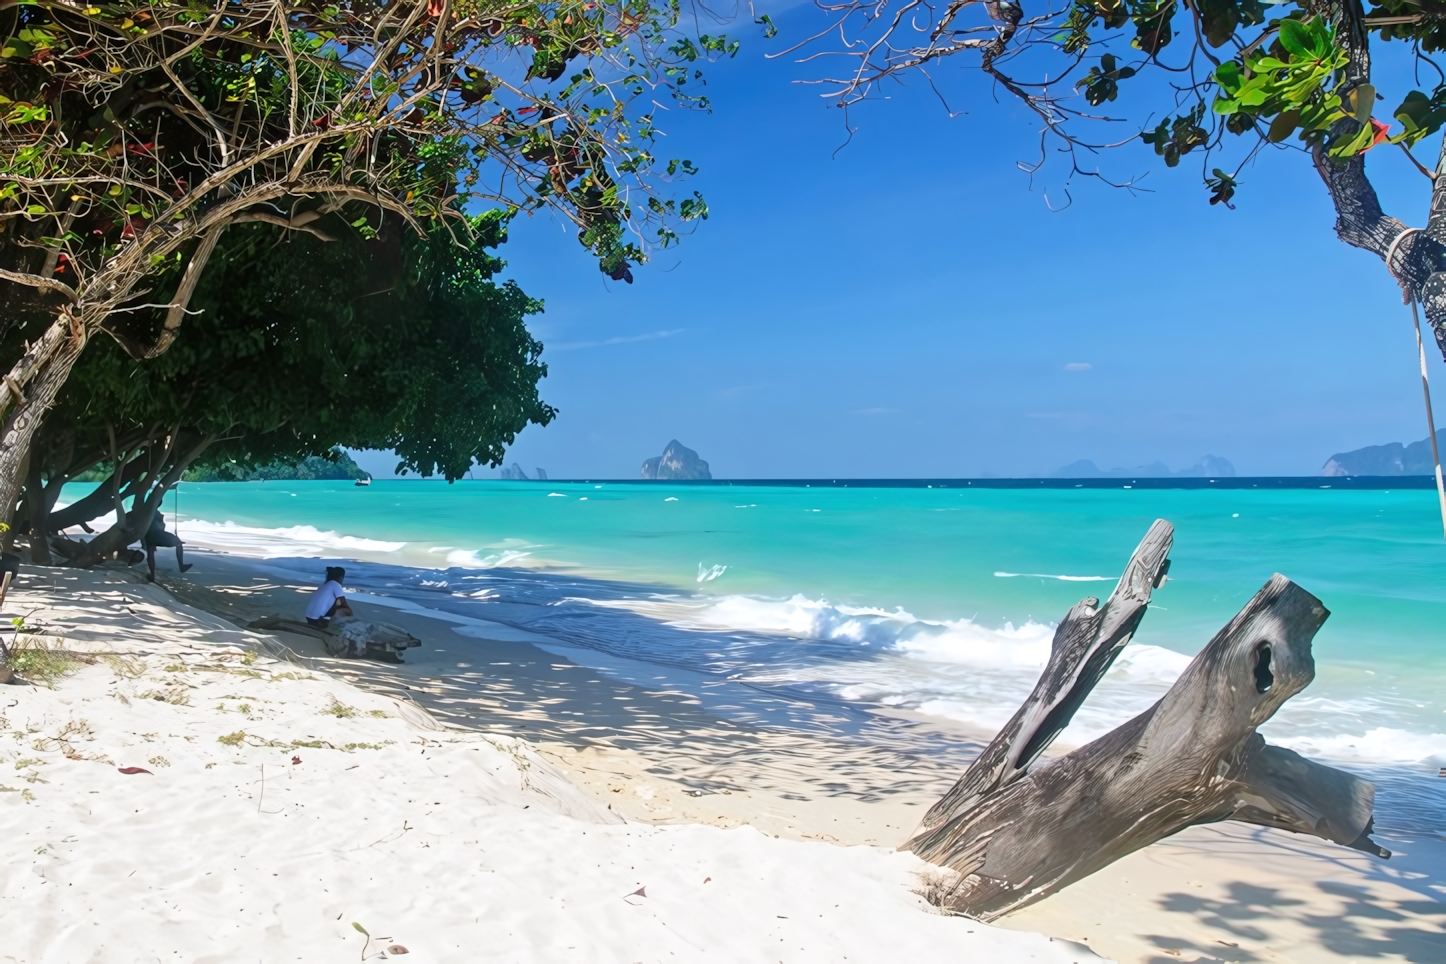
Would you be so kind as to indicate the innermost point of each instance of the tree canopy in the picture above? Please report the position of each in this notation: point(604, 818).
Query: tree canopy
point(300, 346)
point(136, 132)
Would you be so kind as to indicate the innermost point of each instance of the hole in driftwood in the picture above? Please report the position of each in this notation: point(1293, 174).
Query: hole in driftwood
point(1264, 678)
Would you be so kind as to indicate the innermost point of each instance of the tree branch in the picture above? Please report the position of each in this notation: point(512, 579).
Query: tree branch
point(37, 281)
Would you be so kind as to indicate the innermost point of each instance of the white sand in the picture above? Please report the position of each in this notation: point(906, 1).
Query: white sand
point(459, 845)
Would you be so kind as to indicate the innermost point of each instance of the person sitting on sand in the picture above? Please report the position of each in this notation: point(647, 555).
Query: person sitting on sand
point(329, 600)
point(156, 536)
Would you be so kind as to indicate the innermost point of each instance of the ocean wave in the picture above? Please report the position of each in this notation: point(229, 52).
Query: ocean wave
point(1381, 744)
point(476, 559)
point(959, 669)
point(709, 573)
point(1045, 575)
point(265, 543)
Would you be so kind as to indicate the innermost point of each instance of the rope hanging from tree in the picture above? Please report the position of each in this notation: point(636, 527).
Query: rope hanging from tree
point(1420, 354)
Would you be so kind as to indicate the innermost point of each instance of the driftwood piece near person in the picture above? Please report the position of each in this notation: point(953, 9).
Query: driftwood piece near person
point(1009, 835)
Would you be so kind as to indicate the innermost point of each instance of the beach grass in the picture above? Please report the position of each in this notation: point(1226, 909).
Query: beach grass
point(39, 660)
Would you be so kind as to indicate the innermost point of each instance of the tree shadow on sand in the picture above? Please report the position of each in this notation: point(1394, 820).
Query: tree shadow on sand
point(1366, 925)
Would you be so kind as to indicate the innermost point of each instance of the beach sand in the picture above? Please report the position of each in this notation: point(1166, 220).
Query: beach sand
point(280, 812)
point(799, 821)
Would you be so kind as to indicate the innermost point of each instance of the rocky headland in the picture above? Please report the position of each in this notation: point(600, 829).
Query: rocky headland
point(678, 462)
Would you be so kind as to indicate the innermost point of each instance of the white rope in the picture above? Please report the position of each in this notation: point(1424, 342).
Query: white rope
point(1391, 256)
point(1430, 419)
point(1425, 379)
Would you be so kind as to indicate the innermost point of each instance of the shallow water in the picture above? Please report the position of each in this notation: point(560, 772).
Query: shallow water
point(935, 600)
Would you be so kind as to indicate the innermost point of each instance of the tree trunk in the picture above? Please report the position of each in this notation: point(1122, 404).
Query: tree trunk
point(1085, 646)
point(36, 511)
point(149, 494)
point(32, 385)
point(1011, 838)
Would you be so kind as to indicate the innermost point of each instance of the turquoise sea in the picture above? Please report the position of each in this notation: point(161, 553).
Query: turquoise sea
point(934, 600)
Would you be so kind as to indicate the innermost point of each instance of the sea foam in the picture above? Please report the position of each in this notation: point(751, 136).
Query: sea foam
point(485, 558)
point(271, 543)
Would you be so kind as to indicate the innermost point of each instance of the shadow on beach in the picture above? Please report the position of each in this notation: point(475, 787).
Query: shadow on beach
point(706, 741)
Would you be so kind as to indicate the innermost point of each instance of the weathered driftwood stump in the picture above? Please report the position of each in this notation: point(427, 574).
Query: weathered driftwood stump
point(1011, 834)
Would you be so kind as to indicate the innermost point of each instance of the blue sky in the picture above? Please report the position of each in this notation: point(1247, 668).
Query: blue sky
point(910, 305)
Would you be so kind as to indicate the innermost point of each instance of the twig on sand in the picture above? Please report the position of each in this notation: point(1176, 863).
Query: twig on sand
point(366, 935)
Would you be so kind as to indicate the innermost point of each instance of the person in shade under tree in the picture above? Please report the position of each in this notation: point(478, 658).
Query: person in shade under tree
point(156, 536)
point(328, 600)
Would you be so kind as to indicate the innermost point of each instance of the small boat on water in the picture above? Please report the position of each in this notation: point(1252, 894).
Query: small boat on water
point(362, 482)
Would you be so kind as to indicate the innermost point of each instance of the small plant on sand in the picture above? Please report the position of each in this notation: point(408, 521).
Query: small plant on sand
point(232, 739)
point(38, 663)
point(66, 737)
point(339, 709)
point(379, 714)
point(365, 934)
point(126, 667)
point(175, 695)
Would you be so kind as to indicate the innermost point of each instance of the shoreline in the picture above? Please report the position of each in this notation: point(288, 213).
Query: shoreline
point(656, 758)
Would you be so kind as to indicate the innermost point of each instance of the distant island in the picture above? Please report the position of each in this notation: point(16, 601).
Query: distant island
point(1391, 459)
point(677, 462)
point(514, 473)
point(1209, 467)
point(314, 467)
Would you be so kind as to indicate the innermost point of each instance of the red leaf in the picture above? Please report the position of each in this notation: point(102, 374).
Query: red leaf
point(1383, 131)
point(130, 770)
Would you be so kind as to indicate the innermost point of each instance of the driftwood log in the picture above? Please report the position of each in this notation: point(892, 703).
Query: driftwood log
point(1010, 834)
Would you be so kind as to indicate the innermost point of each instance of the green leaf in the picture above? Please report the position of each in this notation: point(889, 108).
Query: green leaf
point(1228, 75)
point(1363, 99)
point(360, 928)
point(1296, 38)
point(1283, 126)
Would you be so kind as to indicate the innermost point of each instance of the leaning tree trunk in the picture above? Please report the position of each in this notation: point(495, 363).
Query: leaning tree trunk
point(1012, 836)
point(161, 475)
point(32, 385)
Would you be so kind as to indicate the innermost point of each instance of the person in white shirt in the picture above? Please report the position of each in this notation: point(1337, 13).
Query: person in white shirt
point(329, 600)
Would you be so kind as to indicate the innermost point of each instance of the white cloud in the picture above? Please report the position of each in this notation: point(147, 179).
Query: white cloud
point(620, 340)
point(1077, 366)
